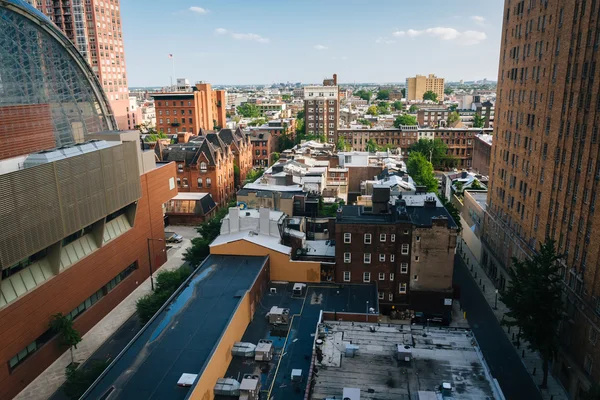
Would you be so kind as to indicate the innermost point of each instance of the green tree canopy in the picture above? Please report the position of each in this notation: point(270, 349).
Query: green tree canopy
point(274, 157)
point(383, 107)
point(373, 110)
point(167, 282)
point(478, 121)
point(534, 298)
point(453, 117)
point(413, 109)
point(405, 119)
point(364, 122)
point(435, 149)
point(257, 122)
point(286, 97)
point(397, 105)
point(363, 94)
point(453, 107)
point(403, 90)
point(248, 110)
point(300, 114)
point(383, 94)
point(421, 171)
point(62, 325)
point(343, 145)
point(372, 146)
point(430, 95)
point(448, 91)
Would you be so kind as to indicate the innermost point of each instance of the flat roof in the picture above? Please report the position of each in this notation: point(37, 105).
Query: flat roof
point(182, 336)
point(436, 356)
point(190, 196)
point(293, 346)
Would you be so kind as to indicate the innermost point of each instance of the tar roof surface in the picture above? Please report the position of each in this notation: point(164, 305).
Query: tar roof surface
point(183, 335)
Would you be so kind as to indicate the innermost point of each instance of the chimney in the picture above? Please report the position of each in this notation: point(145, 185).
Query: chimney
point(234, 219)
point(263, 223)
point(334, 79)
point(430, 202)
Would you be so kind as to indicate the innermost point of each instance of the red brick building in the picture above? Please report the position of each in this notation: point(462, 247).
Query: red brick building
point(242, 151)
point(204, 164)
point(263, 145)
point(201, 108)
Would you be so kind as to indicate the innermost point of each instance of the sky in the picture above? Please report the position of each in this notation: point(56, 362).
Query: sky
point(269, 41)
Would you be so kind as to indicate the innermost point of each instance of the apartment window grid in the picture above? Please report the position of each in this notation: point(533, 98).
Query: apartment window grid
point(391, 276)
point(367, 238)
point(367, 258)
point(347, 238)
point(347, 258)
point(404, 268)
point(366, 277)
point(405, 248)
point(380, 295)
point(346, 276)
point(402, 288)
point(382, 237)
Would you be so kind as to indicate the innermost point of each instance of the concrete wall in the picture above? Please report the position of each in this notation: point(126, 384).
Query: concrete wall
point(435, 250)
point(281, 266)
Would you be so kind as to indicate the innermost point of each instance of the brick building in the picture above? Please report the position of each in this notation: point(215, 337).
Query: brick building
point(190, 111)
point(263, 145)
point(407, 248)
point(321, 109)
point(545, 166)
point(204, 165)
point(460, 141)
point(242, 151)
point(433, 117)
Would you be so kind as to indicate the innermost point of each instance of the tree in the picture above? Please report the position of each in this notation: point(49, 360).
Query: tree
point(216, 126)
point(286, 97)
point(478, 121)
point(364, 122)
point(329, 210)
point(405, 119)
point(197, 252)
point(300, 114)
point(300, 128)
point(397, 105)
point(421, 171)
point(363, 94)
point(257, 122)
point(453, 211)
point(448, 91)
point(430, 95)
point(248, 110)
point(413, 109)
point(372, 146)
point(343, 145)
point(373, 110)
point(453, 107)
point(403, 90)
point(475, 185)
point(153, 137)
point(284, 142)
point(254, 174)
point(167, 282)
point(383, 107)
point(78, 380)
point(383, 94)
point(534, 298)
point(434, 150)
point(274, 157)
point(236, 175)
point(453, 117)
point(62, 325)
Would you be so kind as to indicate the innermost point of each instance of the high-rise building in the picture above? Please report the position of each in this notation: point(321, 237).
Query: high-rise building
point(94, 27)
point(417, 86)
point(545, 164)
point(82, 219)
point(191, 110)
point(321, 109)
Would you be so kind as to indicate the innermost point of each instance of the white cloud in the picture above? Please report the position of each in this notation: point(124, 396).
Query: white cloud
point(479, 20)
point(199, 10)
point(320, 47)
point(442, 33)
point(384, 40)
point(242, 36)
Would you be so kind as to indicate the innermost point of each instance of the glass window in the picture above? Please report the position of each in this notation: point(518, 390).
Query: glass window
point(404, 268)
point(391, 297)
point(405, 248)
point(402, 288)
point(366, 277)
point(380, 295)
point(392, 257)
point(347, 257)
point(391, 276)
point(367, 238)
point(393, 237)
point(346, 276)
point(367, 258)
point(347, 237)
point(199, 182)
point(382, 257)
point(203, 166)
point(382, 276)
point(382, 237)
point(208, 182)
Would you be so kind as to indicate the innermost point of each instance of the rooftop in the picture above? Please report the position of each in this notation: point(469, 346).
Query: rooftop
point(183, 334)
point(435, 356)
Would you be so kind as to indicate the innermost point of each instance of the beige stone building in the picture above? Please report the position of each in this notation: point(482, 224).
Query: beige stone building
point(417, 86)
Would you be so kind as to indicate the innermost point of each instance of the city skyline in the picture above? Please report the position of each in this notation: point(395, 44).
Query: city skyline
point(228, 37)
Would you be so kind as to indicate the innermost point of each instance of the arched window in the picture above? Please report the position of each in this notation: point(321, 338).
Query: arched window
point(203, 166)
point(199, 182)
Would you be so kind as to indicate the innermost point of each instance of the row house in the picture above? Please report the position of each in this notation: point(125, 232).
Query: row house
point(406, 248)
point(263, 145)
point(242, 151)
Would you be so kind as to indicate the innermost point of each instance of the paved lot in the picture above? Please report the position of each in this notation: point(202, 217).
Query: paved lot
point(49, 381)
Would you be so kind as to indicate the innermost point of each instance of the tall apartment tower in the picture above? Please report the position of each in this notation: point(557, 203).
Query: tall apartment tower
point(94, 27)
point(322, 110)
point(545, 164)
point(417, 86)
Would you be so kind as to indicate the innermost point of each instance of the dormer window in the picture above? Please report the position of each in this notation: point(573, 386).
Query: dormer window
point(203, 166)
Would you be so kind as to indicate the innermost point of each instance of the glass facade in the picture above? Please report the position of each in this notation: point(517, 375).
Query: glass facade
point(40, 66)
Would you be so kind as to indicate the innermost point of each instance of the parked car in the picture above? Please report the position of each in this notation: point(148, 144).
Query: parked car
point(172, 237)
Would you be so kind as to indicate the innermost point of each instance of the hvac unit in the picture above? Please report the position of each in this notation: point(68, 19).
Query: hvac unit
point(404, 353)
point(227, 387)
point(243, 349)
point(250, 387)
point(264, 350)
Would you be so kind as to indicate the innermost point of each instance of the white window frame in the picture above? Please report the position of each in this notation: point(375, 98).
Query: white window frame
point(347, 276)
point(392, 257)
point(382, 237)
point(416, 258)
point(347, 238)
point(382, 276)
point(391, 276)
point(366, 277)
point(405, 248)
point(347, 258)
point(382, 257)
point(380, 295)
point(391, 297)
point(402, 288)
point(404, 268)
point(418, 238)
point(392, 237)
point(367, 258)
point(368, 238)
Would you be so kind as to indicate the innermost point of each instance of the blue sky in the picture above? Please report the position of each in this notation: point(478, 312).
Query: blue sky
point(267, 41)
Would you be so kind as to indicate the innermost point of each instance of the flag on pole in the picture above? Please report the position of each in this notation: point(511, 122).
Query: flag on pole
point(170, 55)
